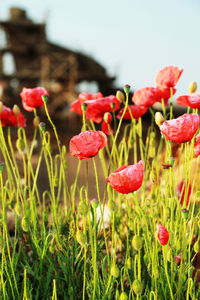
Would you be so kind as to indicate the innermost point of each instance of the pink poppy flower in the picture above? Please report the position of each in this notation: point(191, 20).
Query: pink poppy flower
point(192, 100)
point(146, 96)
point(87, 144)
point(168, 77)
point(181, 129)
point(127, 179)
point(32, 98)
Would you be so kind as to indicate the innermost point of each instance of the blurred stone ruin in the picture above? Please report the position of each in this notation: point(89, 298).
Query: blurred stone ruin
point(28, 59)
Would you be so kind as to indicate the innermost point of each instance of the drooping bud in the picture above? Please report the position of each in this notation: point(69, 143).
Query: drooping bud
point(120, 96)
point(162, 234)
point(81, 238)
point(123, 296)
point(114, 271)
point(192, 87)
point(159, 119)
point(107, 117)
point(127, 88)
point(137, 286)
point(137, 242)
point(16, 110)
point(20, 145)
point(36, 121)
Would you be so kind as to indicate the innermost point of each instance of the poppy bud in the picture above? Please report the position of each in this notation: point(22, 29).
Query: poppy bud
point(123, 296)
point(42, 126)
point(1, 107)
point(159, 119)
point(81, 238)
point(185, 213)
point(1, 166)
point(94, 204)
point(197, 247)
point(16, 110)
point(36, 121)
point(192, 87)
point(137, 242)
point(162, 234)
point(137, 286)
point(24, 224)
point(114, 271)
point(127, 88)
point(20, 145)
point(45, 98)
point(128, 263)
point(107, 117)
point(120, 96)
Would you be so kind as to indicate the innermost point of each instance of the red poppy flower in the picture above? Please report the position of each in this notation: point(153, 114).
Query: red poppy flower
point(87, 144)
point(127, 179)
point(162, 234)
point(82, 97)
point(184, 192)
point(146, 96)
point(8, 118)
point(197, 146)
point(96, 108)
point(32, 98)
point(168, 77)
point(181, 129)
point(133, 111)
point(192, 100)
point(165, 94)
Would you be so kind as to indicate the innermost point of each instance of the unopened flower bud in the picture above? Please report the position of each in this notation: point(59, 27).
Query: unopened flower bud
point(45, 98)
point(36, 121)
point(81, 238)
point(185, 213)
point(114, 271)
point(120, 96)
point(159, 119)
point(94, 203)
point(1, 107)
point(197, 246)
point(42, 126)
point(20, 145)
point(107, 117)
point(24, 224)
point(127, 88)
point(137, 242)
point(137, 286)
point(123, 296)
point(16, 110)
point(192, 87)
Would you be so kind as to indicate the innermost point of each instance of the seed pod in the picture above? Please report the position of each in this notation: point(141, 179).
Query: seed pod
point(137, 242)
point(137, 286)
point(114, 271)
point(127, 88)
point(42, 126)
point(192, 87)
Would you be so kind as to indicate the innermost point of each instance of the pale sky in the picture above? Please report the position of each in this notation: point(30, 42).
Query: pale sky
point(133, 39)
